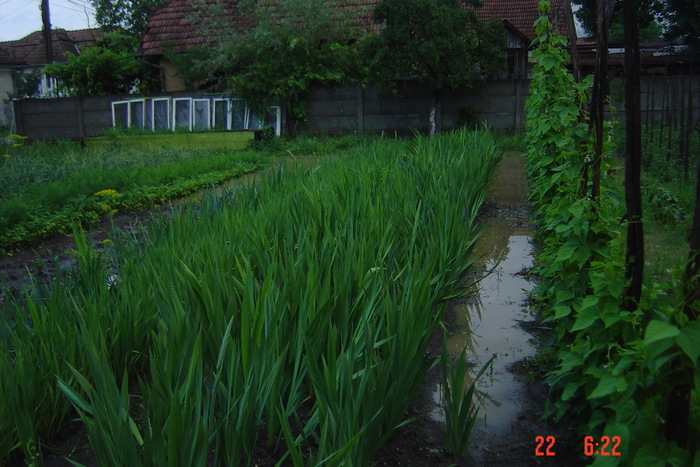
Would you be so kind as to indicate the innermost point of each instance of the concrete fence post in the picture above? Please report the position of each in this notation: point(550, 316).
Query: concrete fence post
point(80, 116)
point(19, 116)
point(359, 97)
point(518, 106)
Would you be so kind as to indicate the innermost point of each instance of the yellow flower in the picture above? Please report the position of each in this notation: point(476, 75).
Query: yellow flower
point(104, 207)
point(109, 192)
point(15, 140)
point(106, 240)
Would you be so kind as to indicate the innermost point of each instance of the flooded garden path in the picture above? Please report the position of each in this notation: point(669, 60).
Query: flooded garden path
point(493, 320)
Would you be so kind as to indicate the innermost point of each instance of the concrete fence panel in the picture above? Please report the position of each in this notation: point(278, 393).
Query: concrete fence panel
point(347, 108)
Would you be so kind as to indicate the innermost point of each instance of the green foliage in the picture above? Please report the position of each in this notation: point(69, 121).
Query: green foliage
point(109, 67)
point(613, 365)
point(683, 21)
point(289, 46)
point(511, 140)
point(46, 208)
point(307, 300)
point(130, 16)
point(649, 17)
point(436, 41)
point(665, 206)
point(26, 84)
point(460, 411)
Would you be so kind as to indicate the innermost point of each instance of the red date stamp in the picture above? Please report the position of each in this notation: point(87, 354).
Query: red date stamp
point(545, 446)
point(605, 446)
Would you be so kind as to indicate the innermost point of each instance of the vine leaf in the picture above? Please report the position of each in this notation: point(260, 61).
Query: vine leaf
point(658, 330)
point(608, 384)
point(689, 340)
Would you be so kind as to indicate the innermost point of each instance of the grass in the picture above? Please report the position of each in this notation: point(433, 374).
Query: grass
point(510, 141)
point(306, 301)
point(668, 198)
point(668, 204)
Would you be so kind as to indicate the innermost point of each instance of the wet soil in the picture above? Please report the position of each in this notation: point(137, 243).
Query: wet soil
point(512, 397)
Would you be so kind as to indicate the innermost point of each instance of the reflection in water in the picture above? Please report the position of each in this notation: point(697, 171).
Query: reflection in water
point(493, 326)
point(489, 317)
point(489, 323)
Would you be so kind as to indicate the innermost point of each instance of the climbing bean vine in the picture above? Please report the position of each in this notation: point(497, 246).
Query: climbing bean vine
point(612, 365)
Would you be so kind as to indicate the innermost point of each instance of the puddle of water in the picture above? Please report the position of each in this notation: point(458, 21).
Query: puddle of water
point(489, 317)
point(489, 320)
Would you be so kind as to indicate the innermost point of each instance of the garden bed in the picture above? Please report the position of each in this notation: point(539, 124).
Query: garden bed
point(284, 307)
point(418, 443)
point(237, 140)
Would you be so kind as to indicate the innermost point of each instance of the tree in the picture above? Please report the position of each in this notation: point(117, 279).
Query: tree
point(683, 19)
point(129, 16)
point(437, 42)
point(109, 67)
point(26, 84)
point(275, 50)
point(649, 13)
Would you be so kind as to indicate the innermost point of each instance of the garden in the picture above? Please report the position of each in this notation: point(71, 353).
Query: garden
point(292, 316)
point(299, 314)
point(49, 186)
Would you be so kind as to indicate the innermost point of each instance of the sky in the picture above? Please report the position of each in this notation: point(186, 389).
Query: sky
point(21, 17)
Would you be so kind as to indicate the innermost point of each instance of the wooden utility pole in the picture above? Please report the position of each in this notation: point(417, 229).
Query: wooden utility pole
point(46, 21)
point(600, 87)
point(634, 260)
point(571, 29)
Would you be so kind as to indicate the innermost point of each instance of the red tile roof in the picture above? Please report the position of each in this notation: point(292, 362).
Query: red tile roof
point(8, 58)
point(522, 14)
point(30, 50)
point(172, 25)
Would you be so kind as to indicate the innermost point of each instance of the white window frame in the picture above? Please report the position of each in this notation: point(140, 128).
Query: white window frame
point(174, 114)
point(207, 113)
point(230, 113)
point(143, 111)
point(153, 112)
point(246, 118)
point(278, 119)
point(114, 113)
point(209, 116)
point(227, 112)
point(128, 111)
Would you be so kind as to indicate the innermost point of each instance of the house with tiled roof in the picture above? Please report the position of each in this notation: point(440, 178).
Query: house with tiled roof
point(174, 26)
point(29, 54)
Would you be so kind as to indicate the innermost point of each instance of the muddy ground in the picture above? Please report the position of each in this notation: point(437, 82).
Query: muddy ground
point(417, 444)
